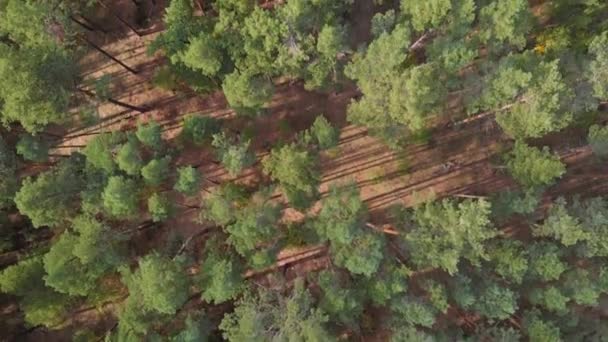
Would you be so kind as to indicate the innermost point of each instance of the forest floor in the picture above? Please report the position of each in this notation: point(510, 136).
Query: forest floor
point(456, 160)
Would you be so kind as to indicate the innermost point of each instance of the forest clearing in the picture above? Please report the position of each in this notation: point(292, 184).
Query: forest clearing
point(304, 170)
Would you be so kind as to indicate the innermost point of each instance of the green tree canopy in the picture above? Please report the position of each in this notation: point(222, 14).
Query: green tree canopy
point(254, 224)
point(156, 171)
point(296, 170)
point(446, 231)
point(529, 96)
point(343, 303)
point(321, 133)
point(159, 284)
point(199, 129)
point(597, 69)
point(100, 150)
point(36, 85)
point(221, 206)
point(246, 92)
point(221, 275)
point(52, 197)
point(8, 174)
point(533, 167)
point(188, 180)
point(598, 139)
point(545, 261)
point(120, 197)
point(66, 273)
point(266, 317)
point(342, 221)
point(150, 134)
point(561, 226)
point(234, 155)
point(129, 158)
point(160, 207)
point(509, 259)
point(32, 148)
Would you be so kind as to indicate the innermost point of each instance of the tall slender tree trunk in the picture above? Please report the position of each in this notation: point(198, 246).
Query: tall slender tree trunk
point(126, 23)
point(116, 102)
point(94, 46)
point(93, 24)
point(81, 24)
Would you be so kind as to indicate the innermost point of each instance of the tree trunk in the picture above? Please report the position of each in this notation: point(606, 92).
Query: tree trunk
point(131, 27)
point(81, 24)
point(94, 46)
point(70, 146)
point(116, 102)
point(94, 25)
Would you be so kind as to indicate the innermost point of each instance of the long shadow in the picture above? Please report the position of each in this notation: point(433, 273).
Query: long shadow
point(411, 187)
point(359, 167)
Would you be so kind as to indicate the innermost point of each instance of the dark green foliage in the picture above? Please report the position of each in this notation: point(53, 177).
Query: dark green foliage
point(533, 167)
point(42, 305)
point(247, 93)
point(66, 273)
point(507, 203)
point(505, 22)
point(597, 69)
point(100, 150)
point(203, 55)
point(544, 262)
point(414, 311)
point(36, 85)
point(196, 328)
point(220, 207)
point(582, 287)
point(409, 333)
point(383, 22)
point(509, 259)
point(462, 291)
point(342, 303)
point(156, 171)
point(550, 298)
point(539, 330)
point(159, 284)
point(150, 134)
point(498, 334)
point(51, 197)
point(322, 134)
point(342, 221)
point(296, 170)
point(390, 281)
point(265, 317)
point(235, 155)
point(529, 96)
point(199, 129)
point(188, 180)
point(447, 231)
point(254, 224)
point(32, 148)
point(128, 158)
point(496, 302)
point(561, 226)
point(8, 177)
point(438, 295)
point(598, 139)
point(120, 197)
point(220, 276)
point(160, 207)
